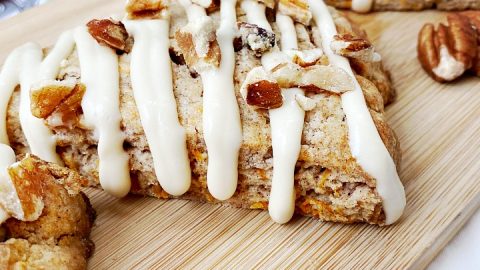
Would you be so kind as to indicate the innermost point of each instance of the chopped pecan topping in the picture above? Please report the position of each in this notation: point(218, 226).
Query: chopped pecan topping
point(21, 194)
point(260, 91)
point(314, 78)
point(194, 61)
point(46, 96)
point(58, 102)
point(203, 34)
point(354, 47)
point(448, 51)
point(305, 58)
point(264, 94)
point(299, 10)
point(111, 33)
point(143, 9)
point(68, 112)
point(257, 39)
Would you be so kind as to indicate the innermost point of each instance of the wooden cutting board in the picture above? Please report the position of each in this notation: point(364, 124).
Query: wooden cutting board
point(438, 126)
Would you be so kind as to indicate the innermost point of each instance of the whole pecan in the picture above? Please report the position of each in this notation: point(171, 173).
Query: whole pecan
point(447, 52)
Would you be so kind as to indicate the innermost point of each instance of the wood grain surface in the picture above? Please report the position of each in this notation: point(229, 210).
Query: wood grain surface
point(438, 126)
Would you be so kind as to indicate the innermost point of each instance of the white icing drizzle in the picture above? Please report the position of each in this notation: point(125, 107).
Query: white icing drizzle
point(62, 49)
point(255, 12)
point(286, 122)
point(101, 109)
point(365, 143)
point(287, 127)
point(9, 79)
point(7, 158)
point(24, 66)
point(362, 5)
point(151, 76)
point(221, 117)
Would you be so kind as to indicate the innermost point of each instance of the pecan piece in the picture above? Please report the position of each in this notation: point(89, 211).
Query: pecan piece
point(68, 112)
point(447, 52)
point(58, 102)
point(21, 194)
point(299, 10)
point(354, 47)
point(314, 78)
point(257, 39)
point(143, 9)
point(192, 59)
point(261, 91)
point(46, 96)
point(306, 58)
point(111, 33)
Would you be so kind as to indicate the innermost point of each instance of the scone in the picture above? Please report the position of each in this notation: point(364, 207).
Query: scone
point(45, 221)
point(234, 103)
point(383, 5)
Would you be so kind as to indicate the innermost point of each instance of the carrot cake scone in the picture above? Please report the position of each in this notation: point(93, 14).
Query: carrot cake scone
point(254, 104)
point(45, 221)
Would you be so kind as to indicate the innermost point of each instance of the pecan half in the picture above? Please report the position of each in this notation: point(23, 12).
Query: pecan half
point(257, 39)
point(143, 9)
point(261, 91)
point(354, 47)
point(111, 33)
point(447, 52)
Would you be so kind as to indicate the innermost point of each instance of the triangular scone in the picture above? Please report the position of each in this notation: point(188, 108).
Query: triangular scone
point(55, 235)
point(191, 105)
point(383, 5)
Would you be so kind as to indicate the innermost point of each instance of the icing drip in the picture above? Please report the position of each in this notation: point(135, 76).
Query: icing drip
point(62, 49)
point(221, 117)
point(362, 5)
point(100, 104)
point(24, 66)
point(151, 76)
point(7, 158)
point(287, 127)
point(365, 143)
point(286, 122)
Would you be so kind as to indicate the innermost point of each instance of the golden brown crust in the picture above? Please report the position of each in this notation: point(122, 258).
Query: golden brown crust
point(60, 236)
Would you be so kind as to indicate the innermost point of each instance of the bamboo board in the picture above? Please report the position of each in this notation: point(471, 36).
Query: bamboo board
point(438, 126)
